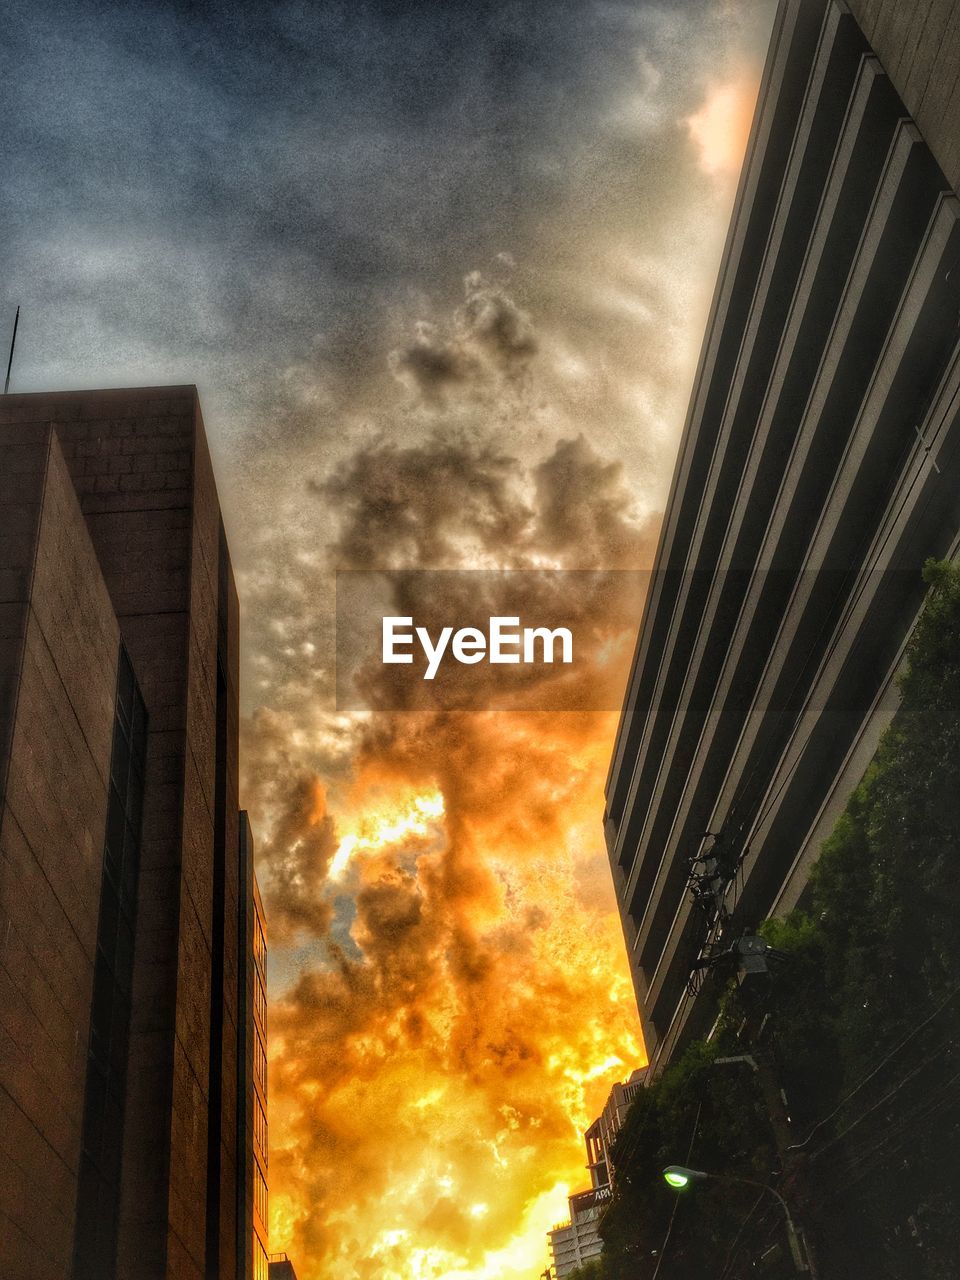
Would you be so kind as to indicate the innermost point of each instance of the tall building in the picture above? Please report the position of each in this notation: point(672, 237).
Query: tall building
point(818, 470)
point(122, 960)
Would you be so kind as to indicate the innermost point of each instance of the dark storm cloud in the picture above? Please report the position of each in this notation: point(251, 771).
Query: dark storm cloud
point(406, 507)
point(435, 504)
point(493, 320)
point(584, 504)
point(432, 363)
point(489, 335)
point(236, 186)
point(296, 858)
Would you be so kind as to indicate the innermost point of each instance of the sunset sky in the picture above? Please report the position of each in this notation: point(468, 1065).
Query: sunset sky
point(440, 272)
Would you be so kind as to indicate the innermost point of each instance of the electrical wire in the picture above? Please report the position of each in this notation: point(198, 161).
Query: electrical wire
point(945, 1097)
point(914, 449)
point(731, 1252)
point(882, 1102)
point(838, 630)
point(738, 879)
point(952, 995)
point(676, 1203)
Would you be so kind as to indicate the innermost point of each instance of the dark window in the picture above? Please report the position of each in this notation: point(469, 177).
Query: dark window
point(259, 1061)
point(260, 1000)
point(260, 1129)
point(98, 1190)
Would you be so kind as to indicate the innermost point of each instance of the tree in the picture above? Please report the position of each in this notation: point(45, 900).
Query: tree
point(864, 1013)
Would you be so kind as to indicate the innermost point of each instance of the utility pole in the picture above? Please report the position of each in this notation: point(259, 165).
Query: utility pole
point(768, 1080)
point(762, 1063)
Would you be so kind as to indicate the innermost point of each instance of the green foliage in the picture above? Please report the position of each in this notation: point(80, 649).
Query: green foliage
point(592, 1270)
point(885, 892)
point(710, 1117)
point(874, 952)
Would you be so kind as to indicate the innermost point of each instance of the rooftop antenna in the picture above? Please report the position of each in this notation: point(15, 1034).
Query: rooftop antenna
point(13, 343)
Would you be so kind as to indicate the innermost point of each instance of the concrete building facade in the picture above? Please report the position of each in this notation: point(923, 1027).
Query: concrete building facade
point(819, 468)
point(254, 1219)
point(578, 1241)
point(602, 1134)
point(281, 1268)
point(121, 902)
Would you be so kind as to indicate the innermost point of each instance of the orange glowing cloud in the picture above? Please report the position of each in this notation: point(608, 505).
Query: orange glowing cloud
point(429, 1087)
point(450, 994)
point(721, 127)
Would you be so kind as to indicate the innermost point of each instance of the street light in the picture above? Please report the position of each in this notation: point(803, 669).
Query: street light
point(679, 1177)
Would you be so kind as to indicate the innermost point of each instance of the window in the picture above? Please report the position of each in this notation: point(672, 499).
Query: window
point(259, 1000)
point(259, 1128)
point(259, 945)
point(260, 1196)
point(259, 1061)
point(98, 1184)
point(261, 1266)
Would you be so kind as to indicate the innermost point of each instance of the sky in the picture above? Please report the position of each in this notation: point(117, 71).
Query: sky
point(440, 272)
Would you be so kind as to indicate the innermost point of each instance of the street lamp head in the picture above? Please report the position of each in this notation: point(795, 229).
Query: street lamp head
point(678, 1176)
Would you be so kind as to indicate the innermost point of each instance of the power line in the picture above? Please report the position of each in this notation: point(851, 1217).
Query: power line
point(731, 1252)
point(927, 1107)
point(918, 448)
point(844, 617)
point(882, 1102)
point(676, 1203)
point(799, 1146)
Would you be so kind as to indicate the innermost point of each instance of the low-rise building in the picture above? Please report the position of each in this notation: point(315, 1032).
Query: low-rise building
point(281, 1268)
point(578, 1241)
point(602, 1134)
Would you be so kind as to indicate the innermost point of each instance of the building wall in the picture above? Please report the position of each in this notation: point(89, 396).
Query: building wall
point(611, 1120)
point(281, 1268)
point(819, 468)
point(578, 1241)
point(254, 1226)
point(59, 670)
point(918, 45)
point(261, 1134)
point(140, 466)
point(234, 898)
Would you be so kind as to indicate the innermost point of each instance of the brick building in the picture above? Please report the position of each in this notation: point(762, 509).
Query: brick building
point(128, 991)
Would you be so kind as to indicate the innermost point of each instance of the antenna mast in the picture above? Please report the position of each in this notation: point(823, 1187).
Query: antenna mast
point(13, 343)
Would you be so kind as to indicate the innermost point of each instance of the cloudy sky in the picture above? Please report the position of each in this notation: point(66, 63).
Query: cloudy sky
point(440, 272)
